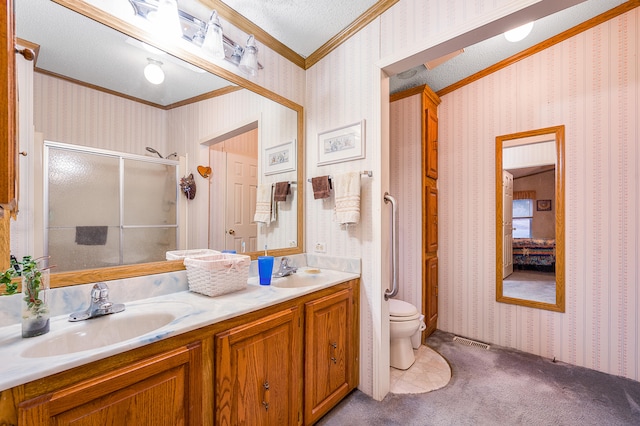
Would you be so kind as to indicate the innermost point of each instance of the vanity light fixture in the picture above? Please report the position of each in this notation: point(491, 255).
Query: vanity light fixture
point(207, 35)
point(212, 43)
point(519, 33)
point(153, 71)
point(249, 61)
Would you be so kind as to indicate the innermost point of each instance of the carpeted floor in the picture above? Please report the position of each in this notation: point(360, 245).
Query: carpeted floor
point(531, 285)
point(501, 386)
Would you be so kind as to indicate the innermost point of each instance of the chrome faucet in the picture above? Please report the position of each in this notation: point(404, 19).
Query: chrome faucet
point(285, 269)
point(100, 304)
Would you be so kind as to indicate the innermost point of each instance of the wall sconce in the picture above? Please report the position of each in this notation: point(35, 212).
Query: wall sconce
point(207, 35)
point(153, 71)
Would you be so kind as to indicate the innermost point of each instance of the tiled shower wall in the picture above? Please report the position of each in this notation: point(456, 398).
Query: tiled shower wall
point(590, 84)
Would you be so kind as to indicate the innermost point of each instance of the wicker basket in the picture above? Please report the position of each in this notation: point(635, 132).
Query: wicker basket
point(217, 274)
point(182, 254)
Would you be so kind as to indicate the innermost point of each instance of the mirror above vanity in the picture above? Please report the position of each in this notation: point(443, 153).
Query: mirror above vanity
point(530, 219)
point(194, 113)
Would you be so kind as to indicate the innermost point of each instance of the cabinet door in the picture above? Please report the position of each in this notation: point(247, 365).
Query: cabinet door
point(259, 372)
point(431, 218)
point(431, 292)
point(162, 390)
point(431, 143)
point(328, 353)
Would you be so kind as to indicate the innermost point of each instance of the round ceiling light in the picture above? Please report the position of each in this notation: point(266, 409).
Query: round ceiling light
point(153, 72)
point(404, 75)
point(519, 33)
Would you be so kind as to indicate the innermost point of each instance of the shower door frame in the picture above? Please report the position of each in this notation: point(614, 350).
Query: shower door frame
point(122, 156)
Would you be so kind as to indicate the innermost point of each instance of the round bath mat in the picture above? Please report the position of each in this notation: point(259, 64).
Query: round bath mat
point(430, 372)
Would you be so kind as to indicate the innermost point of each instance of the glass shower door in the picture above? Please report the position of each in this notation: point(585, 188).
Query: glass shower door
point(83, 216)
point(149, 211)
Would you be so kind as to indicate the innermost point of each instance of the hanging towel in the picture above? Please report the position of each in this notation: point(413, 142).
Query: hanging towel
point(263, 204)
point(274, 204)
point(282, 190)
point(91, 235)
point(321, 187)
point(347, 208)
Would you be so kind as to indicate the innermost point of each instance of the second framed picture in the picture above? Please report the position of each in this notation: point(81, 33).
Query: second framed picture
point(342, 144)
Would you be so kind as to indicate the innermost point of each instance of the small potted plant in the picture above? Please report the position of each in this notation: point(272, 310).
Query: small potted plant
point(35, 286)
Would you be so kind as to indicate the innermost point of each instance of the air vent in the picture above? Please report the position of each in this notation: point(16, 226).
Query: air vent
point(471, 343)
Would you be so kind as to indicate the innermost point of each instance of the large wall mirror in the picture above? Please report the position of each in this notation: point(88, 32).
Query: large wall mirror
point(530, 219)
point(194, 113)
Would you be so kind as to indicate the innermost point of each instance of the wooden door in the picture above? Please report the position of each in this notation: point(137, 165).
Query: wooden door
point(507, 224)
point(431, 142)
point(431, 291)
point(242, 184)
point(258, 376)
point(163, 390)
point(431, 218)
point(328, 353)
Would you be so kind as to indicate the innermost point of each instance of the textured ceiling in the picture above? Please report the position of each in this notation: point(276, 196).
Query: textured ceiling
point(302, 25)
point(488, 52)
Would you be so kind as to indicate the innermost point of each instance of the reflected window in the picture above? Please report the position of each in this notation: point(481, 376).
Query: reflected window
point(522, 217)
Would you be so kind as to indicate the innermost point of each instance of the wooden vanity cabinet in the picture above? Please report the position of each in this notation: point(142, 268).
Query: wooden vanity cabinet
point(286, 364)
point(329, 353)
point(259, 371)
point(163, 390)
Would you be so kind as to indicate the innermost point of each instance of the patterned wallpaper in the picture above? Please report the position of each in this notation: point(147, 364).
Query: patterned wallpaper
point(589, 83)
point(338, 94)
point(601, 290)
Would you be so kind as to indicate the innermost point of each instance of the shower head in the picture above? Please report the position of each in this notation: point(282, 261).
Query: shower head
point(173, 154)
point(154, 151)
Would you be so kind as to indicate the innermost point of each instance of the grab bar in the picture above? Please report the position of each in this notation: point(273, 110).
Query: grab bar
point(394, 246)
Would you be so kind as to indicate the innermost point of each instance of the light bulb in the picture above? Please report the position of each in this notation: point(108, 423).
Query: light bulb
point(519, 33)
point(166, 19)
point(153, 72)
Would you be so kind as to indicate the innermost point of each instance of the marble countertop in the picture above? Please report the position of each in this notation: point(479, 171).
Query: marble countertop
point(23, 360)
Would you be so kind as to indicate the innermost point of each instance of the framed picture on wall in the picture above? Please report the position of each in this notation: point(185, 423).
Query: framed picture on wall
point(342, 144)
point(543, 205)
point(280, 158)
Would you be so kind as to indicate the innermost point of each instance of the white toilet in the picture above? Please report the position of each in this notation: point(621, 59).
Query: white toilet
point(404, 323)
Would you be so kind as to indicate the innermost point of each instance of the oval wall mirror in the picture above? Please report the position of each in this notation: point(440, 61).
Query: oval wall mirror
point(530, 219)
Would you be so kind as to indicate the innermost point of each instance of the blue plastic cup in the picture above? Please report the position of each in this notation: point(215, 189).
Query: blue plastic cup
point(265, 269)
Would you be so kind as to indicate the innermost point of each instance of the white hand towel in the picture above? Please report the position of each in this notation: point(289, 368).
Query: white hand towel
point(263, 204)
point(347, 193)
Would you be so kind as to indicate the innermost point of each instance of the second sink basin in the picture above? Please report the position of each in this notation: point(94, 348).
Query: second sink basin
point(135, 321)
point(305, 277)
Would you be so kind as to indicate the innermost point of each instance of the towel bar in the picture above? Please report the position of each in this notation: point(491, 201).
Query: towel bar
point(369, 173)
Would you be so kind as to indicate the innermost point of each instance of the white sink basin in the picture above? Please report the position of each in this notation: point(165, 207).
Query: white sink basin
point(135, 321)
point(305, 277)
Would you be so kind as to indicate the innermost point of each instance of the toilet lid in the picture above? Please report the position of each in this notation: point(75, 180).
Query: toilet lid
point(399, 308)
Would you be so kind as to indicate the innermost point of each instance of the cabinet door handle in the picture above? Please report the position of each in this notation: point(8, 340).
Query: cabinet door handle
point(334, 345)
point(265, 396)
point(334, 359)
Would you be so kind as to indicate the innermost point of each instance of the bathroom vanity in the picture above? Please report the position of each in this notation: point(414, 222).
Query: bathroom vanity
point(267, 355)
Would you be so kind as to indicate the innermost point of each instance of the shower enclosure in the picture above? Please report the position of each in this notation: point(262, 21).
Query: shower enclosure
point(107, 208)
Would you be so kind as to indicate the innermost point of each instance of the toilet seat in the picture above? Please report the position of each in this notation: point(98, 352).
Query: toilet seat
point(400, 310)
